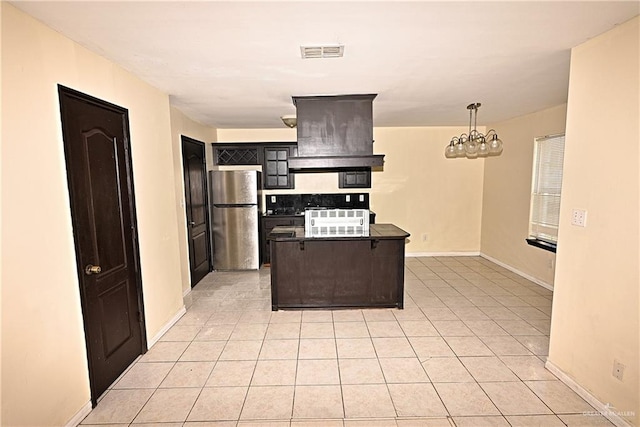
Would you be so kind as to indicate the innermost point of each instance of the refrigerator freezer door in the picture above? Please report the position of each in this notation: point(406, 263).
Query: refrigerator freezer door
point(235, 238)
point(234, 187)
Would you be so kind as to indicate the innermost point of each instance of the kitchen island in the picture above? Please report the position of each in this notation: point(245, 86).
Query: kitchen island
point(337, 272)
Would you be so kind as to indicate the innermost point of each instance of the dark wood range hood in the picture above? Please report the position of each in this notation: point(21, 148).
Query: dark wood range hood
point(335, 133)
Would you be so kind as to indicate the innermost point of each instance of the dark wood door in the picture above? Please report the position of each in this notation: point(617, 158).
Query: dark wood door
point(99, 176)
point(196, 206)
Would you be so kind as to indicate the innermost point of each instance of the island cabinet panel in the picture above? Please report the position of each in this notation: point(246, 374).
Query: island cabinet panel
point(387, 267)
point(325, 273)
point(351, 271)
point(268, 223)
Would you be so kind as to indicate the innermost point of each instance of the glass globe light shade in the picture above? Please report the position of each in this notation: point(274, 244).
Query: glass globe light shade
point(450, 151)
point(471, 147)
point(483, 149)
point(495, 146)
point(460, 149)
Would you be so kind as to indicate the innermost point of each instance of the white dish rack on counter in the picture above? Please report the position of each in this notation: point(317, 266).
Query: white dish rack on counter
point(336, 223)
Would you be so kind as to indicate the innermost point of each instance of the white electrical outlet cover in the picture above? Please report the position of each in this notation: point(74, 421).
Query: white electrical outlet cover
point(579, 217)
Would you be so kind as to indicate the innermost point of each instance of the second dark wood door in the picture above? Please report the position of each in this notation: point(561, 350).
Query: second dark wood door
point(196, 206)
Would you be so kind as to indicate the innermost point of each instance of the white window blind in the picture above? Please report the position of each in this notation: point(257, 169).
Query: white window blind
point(546, 188)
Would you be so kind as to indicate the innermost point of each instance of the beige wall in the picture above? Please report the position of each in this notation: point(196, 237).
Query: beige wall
point(419, 190)
point(44, 365)
point(257, 135)
point(183, 125)
point(595, 306)
point(507, 191)
point(425, 193)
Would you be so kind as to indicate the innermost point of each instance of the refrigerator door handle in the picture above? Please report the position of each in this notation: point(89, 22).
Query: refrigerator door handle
point(234, 205)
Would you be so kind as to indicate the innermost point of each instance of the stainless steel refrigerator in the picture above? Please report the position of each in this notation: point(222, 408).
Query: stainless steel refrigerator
point(235, 210)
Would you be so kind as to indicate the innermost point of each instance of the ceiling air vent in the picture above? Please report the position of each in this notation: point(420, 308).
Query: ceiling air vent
point(326, 51)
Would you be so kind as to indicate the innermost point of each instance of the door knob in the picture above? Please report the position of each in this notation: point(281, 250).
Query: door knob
point(193, 223)
point(92, 269)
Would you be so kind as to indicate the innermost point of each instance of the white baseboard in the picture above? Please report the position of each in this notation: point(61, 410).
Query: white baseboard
point(79, 416)
point(518, 272)
point(601, 408)
point(166, 327)
point(86, 409)
point(187, 292)
point(433, 254)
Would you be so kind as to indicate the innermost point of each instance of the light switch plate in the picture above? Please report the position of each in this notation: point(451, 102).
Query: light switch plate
point(273, 199)
point(361, 197)
point(348, 197)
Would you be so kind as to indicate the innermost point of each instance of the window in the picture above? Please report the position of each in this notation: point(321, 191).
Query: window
point(545, 190)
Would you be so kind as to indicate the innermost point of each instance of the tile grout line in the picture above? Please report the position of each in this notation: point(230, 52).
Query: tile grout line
point(531, 315)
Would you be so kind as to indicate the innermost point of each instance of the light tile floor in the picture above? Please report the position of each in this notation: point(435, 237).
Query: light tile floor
point(467, 350)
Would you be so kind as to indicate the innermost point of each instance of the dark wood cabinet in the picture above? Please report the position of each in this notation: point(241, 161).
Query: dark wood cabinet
point(338, 272)
point(269, 223)
point(354, 179)
point(275, 168)
point(231, 155)
point(272, 156)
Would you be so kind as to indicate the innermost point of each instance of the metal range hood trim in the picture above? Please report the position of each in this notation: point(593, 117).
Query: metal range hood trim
point(336, 162)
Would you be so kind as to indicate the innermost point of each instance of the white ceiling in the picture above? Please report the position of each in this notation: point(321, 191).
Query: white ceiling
point(233, 64)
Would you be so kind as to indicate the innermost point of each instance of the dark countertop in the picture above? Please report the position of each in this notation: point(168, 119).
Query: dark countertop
point(293, 215)
point(376, 231)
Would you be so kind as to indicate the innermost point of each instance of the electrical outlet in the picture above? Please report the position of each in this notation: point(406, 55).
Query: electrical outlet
point(618, 370)
point(579, 217)
point(273, 199)
point(348, 198)
point(361, 197)
point(425, 237)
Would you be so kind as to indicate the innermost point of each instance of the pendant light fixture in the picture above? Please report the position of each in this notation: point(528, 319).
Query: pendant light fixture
point(474, 144)
point(290, 120)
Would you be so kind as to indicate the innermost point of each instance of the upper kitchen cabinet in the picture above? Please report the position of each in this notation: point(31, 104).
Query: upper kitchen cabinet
point(354, 179)
point(232, 155)
point(272, 156)
point(275, 167)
